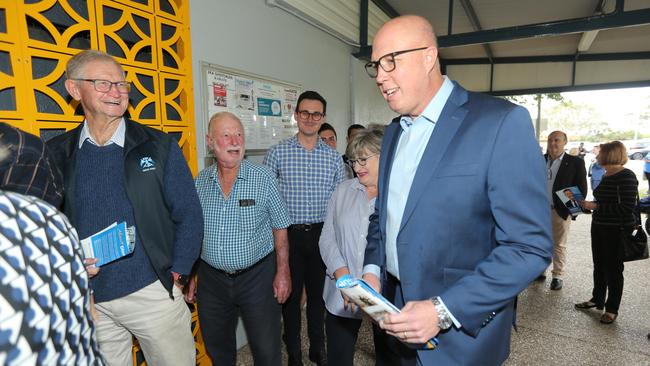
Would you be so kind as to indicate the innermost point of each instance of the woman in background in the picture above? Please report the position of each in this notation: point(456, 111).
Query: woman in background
point(613, 214)
point(343, 242)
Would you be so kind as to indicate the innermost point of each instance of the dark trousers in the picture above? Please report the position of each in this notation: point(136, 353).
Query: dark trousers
point(342, 334)
point(222, 298)
point(389, 350)
point(647, 177)
point(608, 266)
point(308, 269)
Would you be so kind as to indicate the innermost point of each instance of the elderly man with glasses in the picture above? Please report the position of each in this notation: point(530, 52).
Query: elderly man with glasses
point(308, 171)
point(117, 170)
point(447, 243)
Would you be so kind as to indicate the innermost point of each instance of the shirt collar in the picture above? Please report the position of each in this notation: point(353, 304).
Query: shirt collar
point(559, 158)
point(433, 110)
point(117, 138)
point(319, 144)
point(241, 174)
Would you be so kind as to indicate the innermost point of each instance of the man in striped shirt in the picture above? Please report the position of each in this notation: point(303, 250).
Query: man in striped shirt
point(307, 171)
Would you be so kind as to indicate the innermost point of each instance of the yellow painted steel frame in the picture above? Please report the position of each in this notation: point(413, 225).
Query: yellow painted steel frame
point(150, 38)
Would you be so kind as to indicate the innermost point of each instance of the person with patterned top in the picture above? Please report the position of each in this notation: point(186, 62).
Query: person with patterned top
point(244, 266)
point(45, 316)
point(307, 171)
point(28, 168)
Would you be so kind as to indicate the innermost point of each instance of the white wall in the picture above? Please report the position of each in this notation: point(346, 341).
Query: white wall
point(249, 35)
point(368, 106)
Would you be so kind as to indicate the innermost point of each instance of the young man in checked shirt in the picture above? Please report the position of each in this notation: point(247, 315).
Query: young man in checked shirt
point(307, 171)
point(244, 265)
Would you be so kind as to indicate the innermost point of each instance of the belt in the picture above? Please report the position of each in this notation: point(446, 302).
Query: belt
point(237, 272)
point(306, 227)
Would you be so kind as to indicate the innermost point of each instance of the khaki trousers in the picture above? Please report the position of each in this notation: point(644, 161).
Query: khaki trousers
point(560, 229)
point(161, 325)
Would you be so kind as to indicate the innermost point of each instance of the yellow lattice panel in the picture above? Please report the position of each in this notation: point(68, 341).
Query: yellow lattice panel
point(144, 100)
point(174, 51)
point(58, 25)
point(187, 143)
point(9, 28)
point(176, 100)
point(49, 100)
point(127, 34)
point(12, 88)
point(145, 5)
point(177, 10)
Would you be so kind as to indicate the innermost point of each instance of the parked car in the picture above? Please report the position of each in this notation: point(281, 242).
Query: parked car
point(637, 150)
point(637, 154)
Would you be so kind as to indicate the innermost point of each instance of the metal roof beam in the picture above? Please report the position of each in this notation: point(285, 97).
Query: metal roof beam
point(577, 25)
point(620, 56)
point(386, 8)
point(560, 89)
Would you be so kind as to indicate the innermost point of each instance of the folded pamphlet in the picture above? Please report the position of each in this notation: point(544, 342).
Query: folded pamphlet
point(109, 244)
point(370, 301)
point(570, 197)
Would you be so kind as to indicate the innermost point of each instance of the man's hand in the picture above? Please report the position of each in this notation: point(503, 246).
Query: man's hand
point(282, 285)
point(416, 323)
point(373, 281)
point(90, 266)
point(175, 277)
point(190, 291)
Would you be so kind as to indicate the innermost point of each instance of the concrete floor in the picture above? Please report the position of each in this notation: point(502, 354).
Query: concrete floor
point(550, 330)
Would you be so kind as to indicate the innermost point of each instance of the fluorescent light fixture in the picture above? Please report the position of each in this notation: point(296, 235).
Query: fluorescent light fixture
point(586, 40)
point(339, 18)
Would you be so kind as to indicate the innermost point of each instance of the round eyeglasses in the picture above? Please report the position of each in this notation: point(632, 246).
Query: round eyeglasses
point(360, 161)
point(104, 86)
point(387, 62)
point(315, 116)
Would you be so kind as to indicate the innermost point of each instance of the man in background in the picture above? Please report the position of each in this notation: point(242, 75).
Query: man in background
point(244, 267)
point(327, 133)
point(27, 167)
point(562, 171)
point(117, 170)
point(307, 171)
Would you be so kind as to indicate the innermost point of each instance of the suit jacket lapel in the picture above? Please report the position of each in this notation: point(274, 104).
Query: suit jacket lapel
point(448, 123)
point(392, 134)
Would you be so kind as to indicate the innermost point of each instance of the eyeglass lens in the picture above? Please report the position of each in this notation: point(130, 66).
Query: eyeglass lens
point(316, 116)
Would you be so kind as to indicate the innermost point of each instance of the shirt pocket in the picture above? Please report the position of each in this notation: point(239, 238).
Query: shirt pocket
point(247, 216)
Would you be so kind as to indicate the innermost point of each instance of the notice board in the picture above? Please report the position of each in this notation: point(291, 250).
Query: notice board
point(264, 105)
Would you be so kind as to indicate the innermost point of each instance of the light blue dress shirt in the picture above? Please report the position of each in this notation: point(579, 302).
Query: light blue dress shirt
point(410, 148)
point(118, 136)
point(412, 143)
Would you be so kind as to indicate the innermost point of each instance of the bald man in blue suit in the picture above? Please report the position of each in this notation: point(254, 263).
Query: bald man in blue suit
point(462, 221)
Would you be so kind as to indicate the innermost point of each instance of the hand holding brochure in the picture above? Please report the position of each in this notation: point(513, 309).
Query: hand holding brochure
point(570, 196)
point(370, 301)
point(109, 244)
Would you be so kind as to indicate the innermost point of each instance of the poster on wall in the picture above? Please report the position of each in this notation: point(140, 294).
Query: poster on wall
point(264, 105)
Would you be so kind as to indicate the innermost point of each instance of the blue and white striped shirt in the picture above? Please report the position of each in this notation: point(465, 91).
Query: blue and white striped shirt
point(306, 178)
point(238, 229)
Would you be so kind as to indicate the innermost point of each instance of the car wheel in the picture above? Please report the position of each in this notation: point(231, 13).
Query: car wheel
point(637, 156)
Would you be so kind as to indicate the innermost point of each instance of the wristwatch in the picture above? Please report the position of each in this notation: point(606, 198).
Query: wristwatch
point(444, 320)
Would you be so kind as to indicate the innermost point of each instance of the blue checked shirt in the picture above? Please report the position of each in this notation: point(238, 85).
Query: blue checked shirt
point(238, 229)
point(306, 178)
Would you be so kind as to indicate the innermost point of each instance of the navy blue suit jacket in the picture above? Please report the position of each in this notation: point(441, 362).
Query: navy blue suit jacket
point(476, 228)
